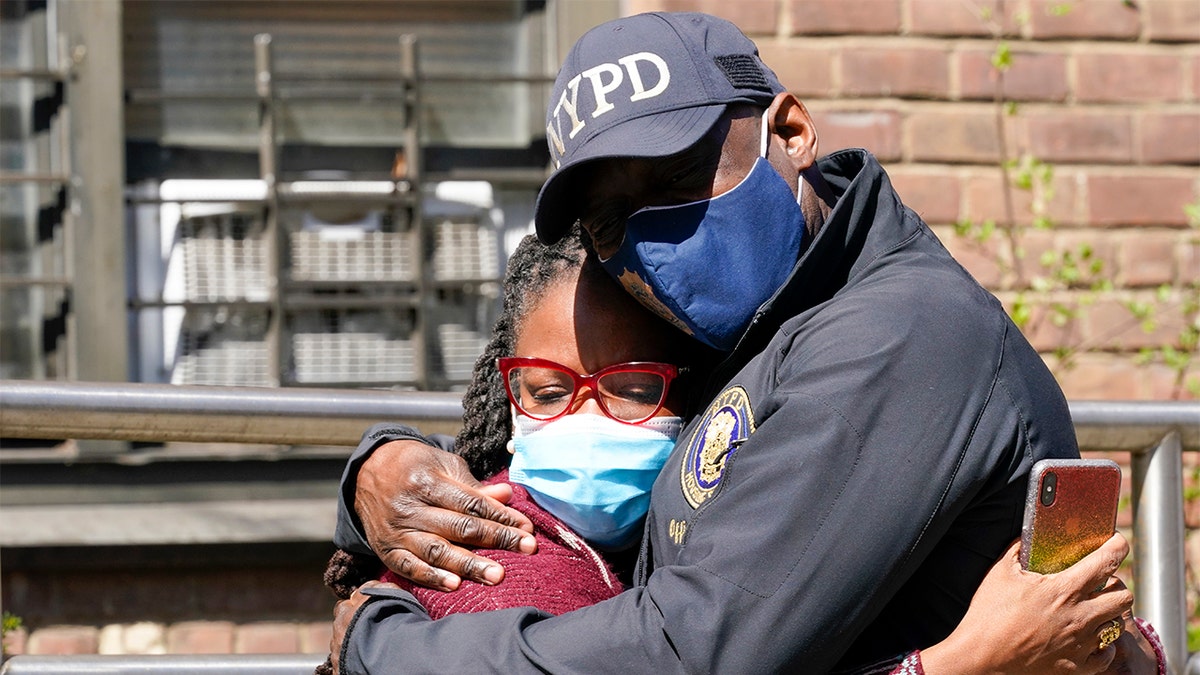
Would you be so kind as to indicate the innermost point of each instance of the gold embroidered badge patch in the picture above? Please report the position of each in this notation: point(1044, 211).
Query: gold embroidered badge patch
point(728, 422)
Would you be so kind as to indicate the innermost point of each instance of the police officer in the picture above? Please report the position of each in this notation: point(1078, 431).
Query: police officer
point(859, 457)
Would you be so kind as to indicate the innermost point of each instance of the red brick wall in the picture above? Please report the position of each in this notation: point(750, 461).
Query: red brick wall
point(187, 637)
point(192, 601)
point(1107, 94)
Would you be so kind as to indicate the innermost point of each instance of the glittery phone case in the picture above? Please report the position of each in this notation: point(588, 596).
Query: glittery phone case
point(1080, 516)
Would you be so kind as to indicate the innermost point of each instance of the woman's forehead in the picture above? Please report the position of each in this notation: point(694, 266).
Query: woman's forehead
point(589, 320)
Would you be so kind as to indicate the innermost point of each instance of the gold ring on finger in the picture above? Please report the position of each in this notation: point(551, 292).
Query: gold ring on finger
point(1110, 632)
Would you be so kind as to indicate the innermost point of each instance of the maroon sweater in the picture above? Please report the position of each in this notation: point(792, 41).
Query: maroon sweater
point(563, 575)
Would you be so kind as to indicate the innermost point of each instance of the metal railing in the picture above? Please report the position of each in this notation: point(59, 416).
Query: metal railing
point(1155, 433)
point(209, 414)
point(168, 664)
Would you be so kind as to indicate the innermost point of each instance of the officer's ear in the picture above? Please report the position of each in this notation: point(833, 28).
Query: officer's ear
point(789, 124)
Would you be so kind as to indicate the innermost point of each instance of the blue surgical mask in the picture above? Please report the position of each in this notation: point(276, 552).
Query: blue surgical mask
point(592, 472)
point(707, 266)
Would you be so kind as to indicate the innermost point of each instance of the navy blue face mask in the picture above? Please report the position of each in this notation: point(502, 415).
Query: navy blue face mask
point(707, 266)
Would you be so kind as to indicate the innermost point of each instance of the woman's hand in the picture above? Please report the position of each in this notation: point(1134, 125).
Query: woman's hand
point(417, 502)
point(343, 614)
point(1024, 622)
point(1134, 656)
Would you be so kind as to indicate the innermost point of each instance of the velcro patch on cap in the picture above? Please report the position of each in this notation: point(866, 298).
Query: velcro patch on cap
point(742, 71)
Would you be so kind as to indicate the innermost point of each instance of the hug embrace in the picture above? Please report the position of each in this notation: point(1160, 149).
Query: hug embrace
point(754, 418)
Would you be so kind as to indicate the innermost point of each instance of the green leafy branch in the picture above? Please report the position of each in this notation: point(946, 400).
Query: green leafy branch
point(1063, 283)
point(9, 624)
point(1183, 355)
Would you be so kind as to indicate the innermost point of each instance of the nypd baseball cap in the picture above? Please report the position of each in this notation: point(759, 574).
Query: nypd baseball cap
point(649, 85)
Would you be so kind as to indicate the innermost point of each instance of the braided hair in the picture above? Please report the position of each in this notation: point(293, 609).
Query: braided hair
point(487, 420)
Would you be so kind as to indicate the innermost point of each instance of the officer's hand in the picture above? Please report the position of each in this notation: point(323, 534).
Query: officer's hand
point(416, 502)
point(1024, 622)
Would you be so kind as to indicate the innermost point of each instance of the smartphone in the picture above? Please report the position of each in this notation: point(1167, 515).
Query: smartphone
point(1070, 510)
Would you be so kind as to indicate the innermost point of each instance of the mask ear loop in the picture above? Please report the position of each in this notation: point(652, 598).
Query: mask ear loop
point(762, 144)
point(762, 152)
point(510, 445)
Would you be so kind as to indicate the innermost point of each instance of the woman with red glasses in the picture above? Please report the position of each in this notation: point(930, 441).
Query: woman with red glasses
point(576, 402)
point(578, 389)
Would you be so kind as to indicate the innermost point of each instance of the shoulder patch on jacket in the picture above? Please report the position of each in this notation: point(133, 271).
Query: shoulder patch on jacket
point(726, 424)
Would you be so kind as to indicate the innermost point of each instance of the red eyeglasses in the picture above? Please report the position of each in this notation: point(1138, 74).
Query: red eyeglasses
point(627, 392)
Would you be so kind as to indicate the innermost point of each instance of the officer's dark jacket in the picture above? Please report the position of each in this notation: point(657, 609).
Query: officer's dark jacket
point(862, 463)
